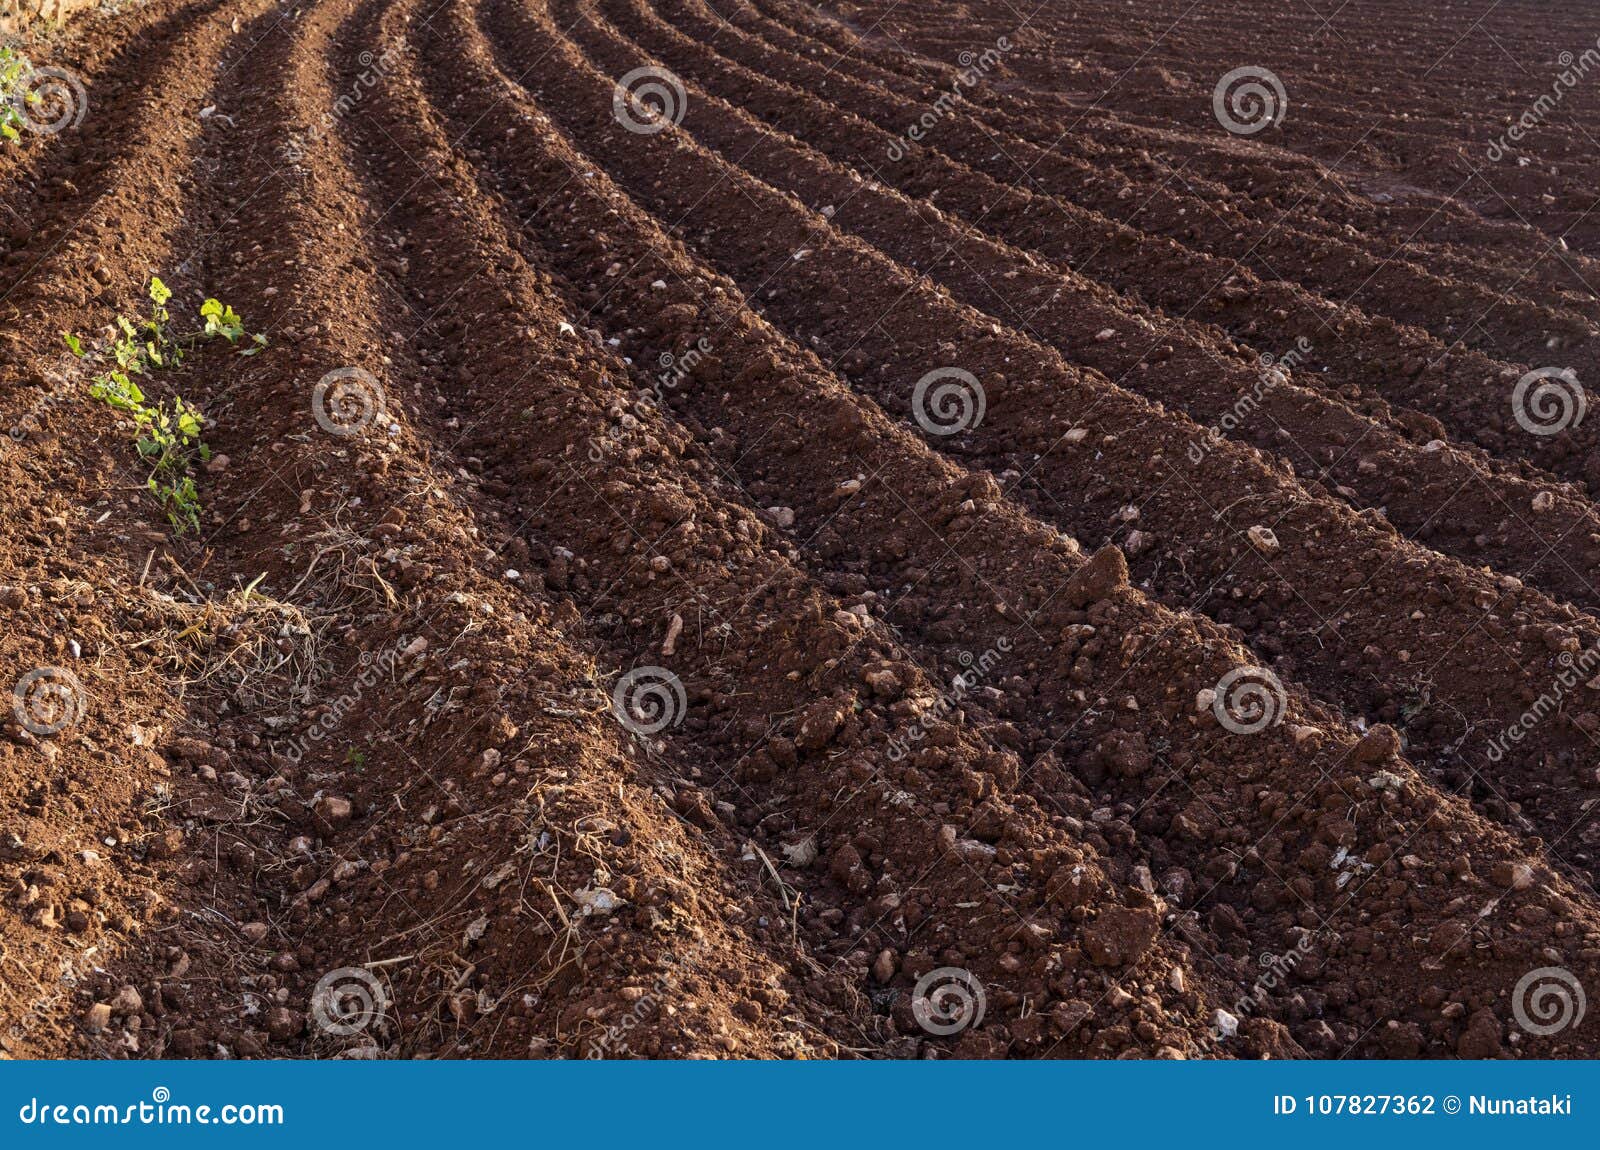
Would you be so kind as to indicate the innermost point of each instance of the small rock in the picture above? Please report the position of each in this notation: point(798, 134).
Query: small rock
point(883, 967)
point(97, 1018)
point(284, 1024)
point(1103, 574)
point(1378, 745)
point(333, 809)
point(1512, 875)
point(1264, 540)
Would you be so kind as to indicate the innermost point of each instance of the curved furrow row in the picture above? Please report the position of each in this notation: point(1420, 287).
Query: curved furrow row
point(794, 727)
point(1492, 515)
point(1124, 470)
point(131, 163)
point(759, 388)
point(1214, 166)
point(86, 601)
point(114, 65)
point(1144, 75)
point(370, 833)
point(1015, 150)
point(1375, 360)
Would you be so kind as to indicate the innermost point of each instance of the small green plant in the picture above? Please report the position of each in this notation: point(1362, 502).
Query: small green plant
point(167, 433)
point(14, 70)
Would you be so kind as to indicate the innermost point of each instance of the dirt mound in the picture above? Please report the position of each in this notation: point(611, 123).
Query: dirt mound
point(766, 531)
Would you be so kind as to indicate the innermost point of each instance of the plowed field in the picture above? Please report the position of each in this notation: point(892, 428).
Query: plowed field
point(768, 529)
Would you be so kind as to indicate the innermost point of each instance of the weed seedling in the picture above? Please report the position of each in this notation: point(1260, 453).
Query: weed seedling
point(14, 70)
point(166, 433)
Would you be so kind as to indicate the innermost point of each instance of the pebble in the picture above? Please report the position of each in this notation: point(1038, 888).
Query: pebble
point(97, 1017)
point(883, 967)
point(1512, 875)
point(1264, 540)
point(333, 809)
point(1379, 744)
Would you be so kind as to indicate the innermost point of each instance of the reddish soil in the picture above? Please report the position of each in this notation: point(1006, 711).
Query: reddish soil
point(652, 669)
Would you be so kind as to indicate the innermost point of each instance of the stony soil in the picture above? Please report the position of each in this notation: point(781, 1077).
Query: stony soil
point(652, 670)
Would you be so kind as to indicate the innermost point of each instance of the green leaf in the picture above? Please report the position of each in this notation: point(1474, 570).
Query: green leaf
point(74, 344)
point(159, 295)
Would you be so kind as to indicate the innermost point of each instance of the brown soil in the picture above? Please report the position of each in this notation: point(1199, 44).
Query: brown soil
point(648, 673)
